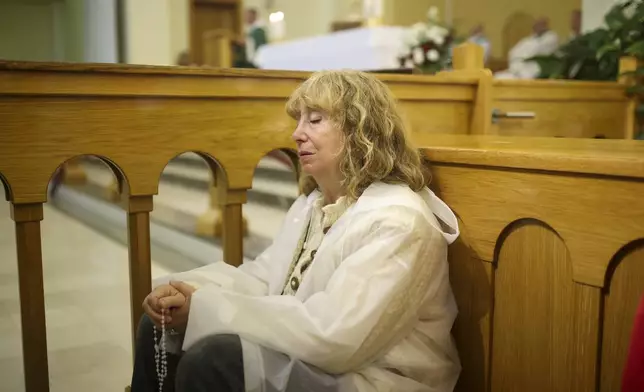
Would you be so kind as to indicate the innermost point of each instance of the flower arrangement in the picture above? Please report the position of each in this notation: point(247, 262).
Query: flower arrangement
point(427, 45)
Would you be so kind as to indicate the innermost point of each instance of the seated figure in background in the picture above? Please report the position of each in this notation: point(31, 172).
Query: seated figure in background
point(185, 59)
point(542, 42)
point(354, 293)
point(245, 49)
point(477, 36)
point(575, 24)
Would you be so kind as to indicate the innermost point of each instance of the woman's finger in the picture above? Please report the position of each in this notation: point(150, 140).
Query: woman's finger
point(182, 287)
point(154, 316)
point(156, 319)
point(153, 302)
point(174, 301)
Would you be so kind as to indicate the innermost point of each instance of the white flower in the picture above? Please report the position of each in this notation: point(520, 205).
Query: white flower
point(435, 34)
point(419, 28)
point(433, 55)
point(419, 56)
point(432, 13)
point(442, 31)
point(411, 41)
point(413, 34)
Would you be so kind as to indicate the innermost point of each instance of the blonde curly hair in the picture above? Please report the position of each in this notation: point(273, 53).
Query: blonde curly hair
point(376, 147)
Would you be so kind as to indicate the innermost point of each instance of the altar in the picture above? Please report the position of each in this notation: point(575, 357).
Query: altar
point(366, 48)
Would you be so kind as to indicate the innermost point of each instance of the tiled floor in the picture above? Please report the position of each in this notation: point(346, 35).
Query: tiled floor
point(87, 307)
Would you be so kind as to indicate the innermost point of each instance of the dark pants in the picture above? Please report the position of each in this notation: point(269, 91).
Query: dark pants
point(213, 364)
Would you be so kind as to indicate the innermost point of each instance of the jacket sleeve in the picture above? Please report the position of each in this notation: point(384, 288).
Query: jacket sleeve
point(389, 265)
point(251, 278)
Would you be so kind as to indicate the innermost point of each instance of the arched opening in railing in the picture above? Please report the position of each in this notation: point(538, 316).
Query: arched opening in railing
point(275, 189)
point(65, 283)
point(187, 207)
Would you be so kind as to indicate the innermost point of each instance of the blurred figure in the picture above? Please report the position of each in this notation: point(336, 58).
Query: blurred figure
point(185, 59)
point(246, 48)
point(575, 24)
point(542, 42)
point(477, 36)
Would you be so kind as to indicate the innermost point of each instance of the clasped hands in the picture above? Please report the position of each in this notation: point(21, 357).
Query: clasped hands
point(174, 298)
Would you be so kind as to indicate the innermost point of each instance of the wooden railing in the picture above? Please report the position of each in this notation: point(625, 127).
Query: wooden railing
point(255, 99)
point(547, 268)
point(464, 101)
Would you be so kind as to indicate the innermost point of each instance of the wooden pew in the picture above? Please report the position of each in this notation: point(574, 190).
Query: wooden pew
point(466, 100)
point(550, 264)
point(562, 218)
point(433, 104)
point(136, 119)
point(549, 107)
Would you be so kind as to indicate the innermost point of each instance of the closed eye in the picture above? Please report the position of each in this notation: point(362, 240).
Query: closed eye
point(315, 121)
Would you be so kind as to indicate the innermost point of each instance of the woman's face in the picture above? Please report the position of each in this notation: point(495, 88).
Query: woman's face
point(319, 144)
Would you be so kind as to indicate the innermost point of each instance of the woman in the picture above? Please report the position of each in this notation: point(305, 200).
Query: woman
point(353, 295)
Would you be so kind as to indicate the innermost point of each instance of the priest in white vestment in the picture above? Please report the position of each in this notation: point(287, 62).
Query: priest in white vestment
point(354, 293)
point(542, 42)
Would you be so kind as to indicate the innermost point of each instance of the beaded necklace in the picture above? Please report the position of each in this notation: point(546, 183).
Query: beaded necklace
point(160, 352)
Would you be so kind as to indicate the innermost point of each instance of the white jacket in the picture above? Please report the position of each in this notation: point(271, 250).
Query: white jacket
point(375, 307)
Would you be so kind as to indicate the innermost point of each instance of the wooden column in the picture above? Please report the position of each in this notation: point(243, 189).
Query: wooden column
point(469, 61)
point(217, 48)
point(233, 226)
point(209, 223)
point(32, 298)
point(468, 56)
point(138, 227)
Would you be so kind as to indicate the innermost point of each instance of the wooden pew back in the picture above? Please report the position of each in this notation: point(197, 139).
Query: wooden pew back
point(137, 119)
point(528, 228)
point(549, 268)
point(548, 107)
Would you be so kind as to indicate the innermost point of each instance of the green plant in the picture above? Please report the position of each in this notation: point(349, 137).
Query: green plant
point(595, 55)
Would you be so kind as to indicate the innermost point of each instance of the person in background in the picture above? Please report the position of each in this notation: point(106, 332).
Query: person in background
point(246, 48)
point(575, 24)
point(184, 59)
point(541, 42)
point(477, 36)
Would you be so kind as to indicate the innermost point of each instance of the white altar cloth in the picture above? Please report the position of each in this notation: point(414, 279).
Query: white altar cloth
point(368, 48)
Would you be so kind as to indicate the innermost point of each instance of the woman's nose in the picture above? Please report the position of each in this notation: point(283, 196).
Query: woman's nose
point(298, 135)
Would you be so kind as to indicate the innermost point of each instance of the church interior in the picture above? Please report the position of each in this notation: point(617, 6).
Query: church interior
point(140, 138)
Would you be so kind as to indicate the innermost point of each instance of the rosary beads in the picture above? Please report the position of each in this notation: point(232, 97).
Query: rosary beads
point(160, 353)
